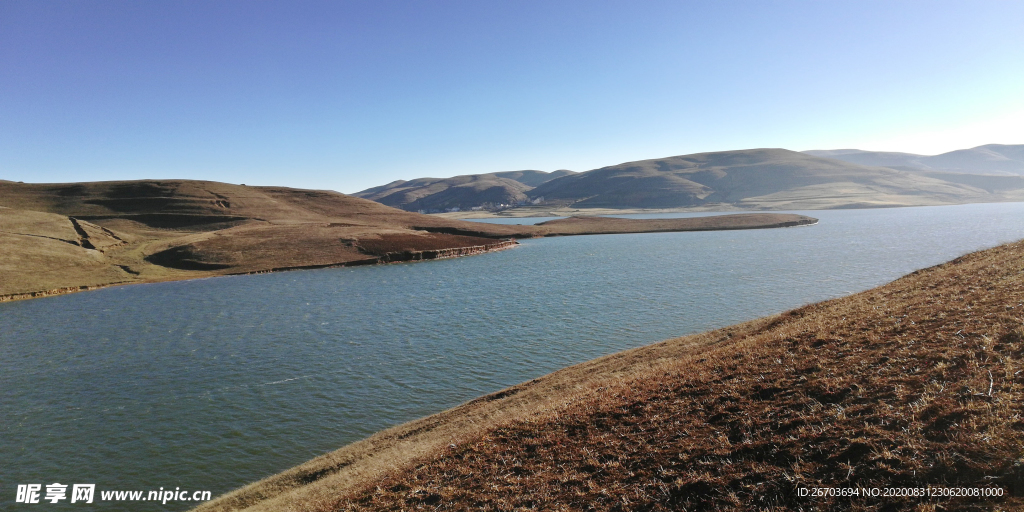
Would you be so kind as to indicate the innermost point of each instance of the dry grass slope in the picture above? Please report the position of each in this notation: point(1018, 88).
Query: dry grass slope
point(438, 194)
point(918, 382)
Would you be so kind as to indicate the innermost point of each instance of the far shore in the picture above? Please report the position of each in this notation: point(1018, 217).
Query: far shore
point(811, 203)
point(548, 211)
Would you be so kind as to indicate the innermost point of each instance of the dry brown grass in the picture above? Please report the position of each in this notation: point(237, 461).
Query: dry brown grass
point(919, 382)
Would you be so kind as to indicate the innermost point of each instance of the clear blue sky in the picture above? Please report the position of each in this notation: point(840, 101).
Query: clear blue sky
point(345, 95)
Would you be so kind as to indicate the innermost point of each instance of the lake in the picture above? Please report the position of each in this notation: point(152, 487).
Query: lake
point(213, 383)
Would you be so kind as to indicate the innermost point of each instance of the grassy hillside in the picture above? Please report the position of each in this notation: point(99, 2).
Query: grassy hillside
point(533, 178)
point(916, 383)
point(434, 194)
point(39, 250)
point(59, 238)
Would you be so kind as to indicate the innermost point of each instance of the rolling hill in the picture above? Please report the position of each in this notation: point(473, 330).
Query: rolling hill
point(746, 179)
point(463, 192)
point(755, 178)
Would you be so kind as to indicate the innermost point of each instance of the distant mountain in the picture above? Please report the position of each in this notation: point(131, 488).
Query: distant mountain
point(463, 192)
point(755, 178)
point(993, 159)
point(749, 179)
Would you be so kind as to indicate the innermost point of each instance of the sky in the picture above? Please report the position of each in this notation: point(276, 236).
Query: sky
point(346, 95)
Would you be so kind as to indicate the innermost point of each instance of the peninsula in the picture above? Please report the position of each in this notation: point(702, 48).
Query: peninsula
point(62, 238)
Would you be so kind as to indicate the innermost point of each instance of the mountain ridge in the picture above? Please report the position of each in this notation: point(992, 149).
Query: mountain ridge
point(463, 192)
point(758, 179)
point(1005, 159)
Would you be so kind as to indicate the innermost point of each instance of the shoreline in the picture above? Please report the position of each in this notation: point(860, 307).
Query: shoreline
point(11, 297)
point(541, 211)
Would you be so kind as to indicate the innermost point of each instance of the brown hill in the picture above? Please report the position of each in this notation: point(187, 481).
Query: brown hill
point(58, 238)
point(755, 178)
point(746, 179)
point(464, 192)
point(533, 178)
point(39, 251)
point(918, 384)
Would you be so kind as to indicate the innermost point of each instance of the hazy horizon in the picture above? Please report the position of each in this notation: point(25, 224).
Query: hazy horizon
point(509, 170)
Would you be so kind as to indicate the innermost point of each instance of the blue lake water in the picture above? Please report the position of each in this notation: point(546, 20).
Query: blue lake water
point(213, 383)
